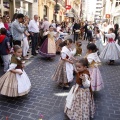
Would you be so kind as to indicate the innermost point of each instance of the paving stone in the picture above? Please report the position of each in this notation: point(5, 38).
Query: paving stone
point(44, 96)
point(16, 117)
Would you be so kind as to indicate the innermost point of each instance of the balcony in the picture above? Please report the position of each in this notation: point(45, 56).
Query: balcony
point(61, 2)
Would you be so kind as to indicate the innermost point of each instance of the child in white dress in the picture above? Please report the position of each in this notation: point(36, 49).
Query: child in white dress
point(15, 81)
point(111, 51)
point(64, 71)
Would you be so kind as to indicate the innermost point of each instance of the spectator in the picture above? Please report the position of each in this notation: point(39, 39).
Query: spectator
point(5, 22)
point(86, 30)
point(45, 25)
point(116, 28)
point(34, 32)
point(1, 23)
point(76, 30)
point(10, 24)
point(4, 48)
point(25, 41)
point(53, 24)
point(18, 29)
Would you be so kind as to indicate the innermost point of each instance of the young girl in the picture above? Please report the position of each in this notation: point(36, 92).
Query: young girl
point(80, 102)
point(64, 72)
point(48, 48)
point(25, 44)
point(112, 49)
point(78, 48)
point(94, 61)
point(77, 51)
point(15, 82)
point(98, 41)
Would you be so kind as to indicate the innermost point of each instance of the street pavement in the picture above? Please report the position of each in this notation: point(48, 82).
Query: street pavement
point(47, 99)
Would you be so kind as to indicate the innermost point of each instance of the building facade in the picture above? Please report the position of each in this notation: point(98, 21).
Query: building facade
point(111, 8)
point(90, 6)
point(116, 11)
point(46, 8)
point(98, 11)
point(73, 13)
point(27, 7)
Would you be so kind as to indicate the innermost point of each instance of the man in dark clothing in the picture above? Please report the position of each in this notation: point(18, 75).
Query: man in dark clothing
point(76, 30)
point(86, 31)
point(5, 48)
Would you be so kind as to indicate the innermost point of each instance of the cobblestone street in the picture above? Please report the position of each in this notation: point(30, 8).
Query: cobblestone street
point(47, 99)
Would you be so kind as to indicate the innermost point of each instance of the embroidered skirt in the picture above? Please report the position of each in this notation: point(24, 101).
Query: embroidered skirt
point(48, 48)
point(83, 106)
point(60, 74)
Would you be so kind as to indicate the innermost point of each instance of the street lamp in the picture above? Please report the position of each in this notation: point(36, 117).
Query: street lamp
point(56, 9)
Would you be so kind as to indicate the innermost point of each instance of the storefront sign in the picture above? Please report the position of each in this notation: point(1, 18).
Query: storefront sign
point(107, 16)
point(68, 7)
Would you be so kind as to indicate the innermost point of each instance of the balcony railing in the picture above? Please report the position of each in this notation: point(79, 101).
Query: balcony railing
point(60, 2)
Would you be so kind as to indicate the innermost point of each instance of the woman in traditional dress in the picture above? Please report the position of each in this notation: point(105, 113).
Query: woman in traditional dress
point(15, 81)
point(111, 51)
point(94, 61)
point(64, 71)
point(79, 102)
point(48, 48)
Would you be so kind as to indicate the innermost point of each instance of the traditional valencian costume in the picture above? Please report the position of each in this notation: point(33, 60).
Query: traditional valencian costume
point(13, 84)
point(98, 43)
point(48, 48)
point(112, 49)
point(79, 102)
point(96, 78)
point(64, 70)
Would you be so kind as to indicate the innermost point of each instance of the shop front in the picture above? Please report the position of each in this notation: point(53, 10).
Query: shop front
point(26, 7)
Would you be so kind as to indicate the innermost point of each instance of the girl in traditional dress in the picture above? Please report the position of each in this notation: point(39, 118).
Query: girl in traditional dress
point(112, 49)
point(98, 41)
point(48, 48)
point(15, 81)
point(94, 62)
point(77, 51)
point(79, 102)
point(64, 71)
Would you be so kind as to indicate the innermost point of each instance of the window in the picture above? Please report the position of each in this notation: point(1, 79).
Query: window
point(35, 0)
point(98, 4)
point(117, 3)
point(98, 7)
point(45, 11)
point(97, 11)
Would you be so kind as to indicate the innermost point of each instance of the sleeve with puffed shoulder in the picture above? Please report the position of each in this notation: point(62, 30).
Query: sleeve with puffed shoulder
point(63, 55)
point(86, 83)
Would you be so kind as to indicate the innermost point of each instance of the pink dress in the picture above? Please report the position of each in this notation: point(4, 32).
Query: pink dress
point(95, 74)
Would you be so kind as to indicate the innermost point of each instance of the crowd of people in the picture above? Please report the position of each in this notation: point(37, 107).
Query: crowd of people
point(48, 39)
